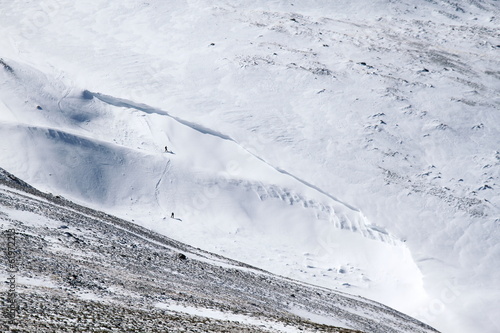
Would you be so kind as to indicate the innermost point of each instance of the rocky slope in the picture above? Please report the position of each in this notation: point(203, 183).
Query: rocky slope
point(81, 270)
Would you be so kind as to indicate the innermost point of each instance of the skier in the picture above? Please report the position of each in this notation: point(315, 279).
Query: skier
point(166, 149)
point(172, 216)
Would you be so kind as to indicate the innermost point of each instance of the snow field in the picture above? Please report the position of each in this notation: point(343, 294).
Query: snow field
point(389, 108)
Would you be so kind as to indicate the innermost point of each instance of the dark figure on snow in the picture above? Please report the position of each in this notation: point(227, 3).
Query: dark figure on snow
point(166, 149)
point(172, 216)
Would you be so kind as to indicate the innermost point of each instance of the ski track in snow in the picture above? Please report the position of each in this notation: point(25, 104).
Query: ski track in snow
point(160, 179)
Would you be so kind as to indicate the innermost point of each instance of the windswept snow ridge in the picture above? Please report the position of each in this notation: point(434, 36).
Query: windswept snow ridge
point(119, 102)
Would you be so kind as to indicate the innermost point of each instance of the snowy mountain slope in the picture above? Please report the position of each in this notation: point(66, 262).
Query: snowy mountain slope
point(245, 207)
point(390, 107)
point(101, 273)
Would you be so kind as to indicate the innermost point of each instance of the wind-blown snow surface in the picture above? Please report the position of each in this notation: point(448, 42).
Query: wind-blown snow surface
point(348, 145)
